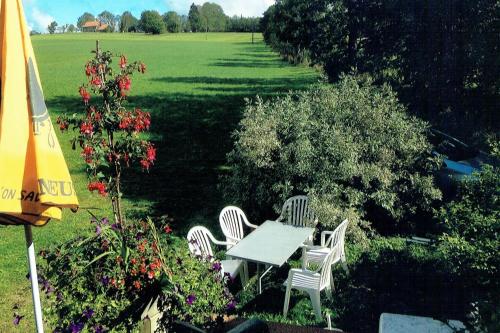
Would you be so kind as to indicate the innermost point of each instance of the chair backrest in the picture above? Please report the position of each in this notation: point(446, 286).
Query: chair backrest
point(337, 238)
point(296, 212)
point(326, 267)
point(231, 221)
point(199, 241)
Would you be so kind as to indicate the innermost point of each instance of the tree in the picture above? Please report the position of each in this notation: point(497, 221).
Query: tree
point(108, 18)
point(52, 27)
point(194, 19)
point(86, 17)
point(351, 147)
point(152, 22)
point(172, 21)
point(64, 28)
point(212, 17)
point(128, 22)
point(71, 28)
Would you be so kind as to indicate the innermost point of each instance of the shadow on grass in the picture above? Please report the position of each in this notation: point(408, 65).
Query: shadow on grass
point(396, 281)
point(251, 63)
point(192, 133)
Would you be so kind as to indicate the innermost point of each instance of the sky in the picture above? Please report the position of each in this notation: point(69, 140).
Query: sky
point(39, 13)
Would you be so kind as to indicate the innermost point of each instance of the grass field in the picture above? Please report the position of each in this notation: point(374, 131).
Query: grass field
point(195, 88)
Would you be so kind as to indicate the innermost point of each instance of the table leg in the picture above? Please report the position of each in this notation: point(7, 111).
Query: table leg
point(260, 278)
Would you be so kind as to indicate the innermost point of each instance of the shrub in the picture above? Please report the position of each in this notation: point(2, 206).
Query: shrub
point(103, 282)
point(469, 245)
point(152, 22)
point(351, 147)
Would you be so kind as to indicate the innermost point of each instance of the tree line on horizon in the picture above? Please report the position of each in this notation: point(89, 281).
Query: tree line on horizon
point(209, 17)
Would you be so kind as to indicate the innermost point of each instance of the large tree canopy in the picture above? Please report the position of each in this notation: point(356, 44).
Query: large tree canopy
point(172, 21)
point(194, 18)
point(212, 17)
point(128, 22)
point(86, 17)
point(152, 22)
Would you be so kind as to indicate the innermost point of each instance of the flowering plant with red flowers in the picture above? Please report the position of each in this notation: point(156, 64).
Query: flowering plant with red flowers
point(108, 133)
point(101, 283)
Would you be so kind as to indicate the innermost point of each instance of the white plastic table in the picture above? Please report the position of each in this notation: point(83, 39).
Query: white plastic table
point(398, 323)
point(271, 244)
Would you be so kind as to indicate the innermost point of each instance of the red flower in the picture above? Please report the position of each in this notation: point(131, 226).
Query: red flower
point(123, 62)
point(142, 68)
point(133, 272)
point(133, 261)
point(167, 229)
point(98, 186)
point(151, 275)
point(97, 116)
point(143, 268)
point(124, 83)
point(89, 70)
point(87, 153)
point(137, 285)
point(145, 164)
point(85, 95)
point(86, 128)
point(151, 153)
point(96, 81)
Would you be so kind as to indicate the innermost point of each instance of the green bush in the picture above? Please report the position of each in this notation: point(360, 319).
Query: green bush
point(351, 147)
point(470, 243)
point(152, 22)
point(102, 283)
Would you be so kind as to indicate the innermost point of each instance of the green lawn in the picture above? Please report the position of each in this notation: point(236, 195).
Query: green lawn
point(195, 88)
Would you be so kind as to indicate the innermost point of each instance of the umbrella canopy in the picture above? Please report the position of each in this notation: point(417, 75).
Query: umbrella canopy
point(35, 183)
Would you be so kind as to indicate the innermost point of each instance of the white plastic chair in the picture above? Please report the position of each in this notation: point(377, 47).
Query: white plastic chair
point(231, 221)
point(312, 282)
point(199, 242)
point(296, 212)
point(335, 240)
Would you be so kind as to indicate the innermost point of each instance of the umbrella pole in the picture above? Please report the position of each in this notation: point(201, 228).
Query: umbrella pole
point(34, 278)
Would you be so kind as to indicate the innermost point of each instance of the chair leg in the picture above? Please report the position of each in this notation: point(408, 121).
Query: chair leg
point(287, 301)
point(245, 271)
point(316, 303)
point(328, 290)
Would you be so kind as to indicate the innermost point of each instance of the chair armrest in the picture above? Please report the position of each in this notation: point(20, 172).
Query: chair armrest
point(218, 242)
point(303, 272)
point(251, 225)
point(323, 237)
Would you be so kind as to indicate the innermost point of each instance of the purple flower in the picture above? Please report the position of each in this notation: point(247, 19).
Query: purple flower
point(88, 313)
point(17, 319)
point(231, 305)
point(217, 266)
point(76, 327)
point(105, 220)
point(98, 230)
point(116, 226)
point(138, 236)
point(105, 280)
point(59, 296)
point(190, 299)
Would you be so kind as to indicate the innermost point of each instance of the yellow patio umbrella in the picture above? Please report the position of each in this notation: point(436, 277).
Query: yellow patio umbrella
point(35, 183)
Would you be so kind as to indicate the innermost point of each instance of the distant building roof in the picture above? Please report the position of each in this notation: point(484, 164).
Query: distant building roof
point(91, 24)
point(102, 27)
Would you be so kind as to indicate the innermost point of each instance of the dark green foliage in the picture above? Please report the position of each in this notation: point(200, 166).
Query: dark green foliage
point(351, 147)
point(86, 17)
point(243, 24)
point(470, 243)
point(172, 21)
point(440, 56)
point(194, 19)
point(52, 27)
point(71, 28)
point(128, 22)
point(151, 22)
